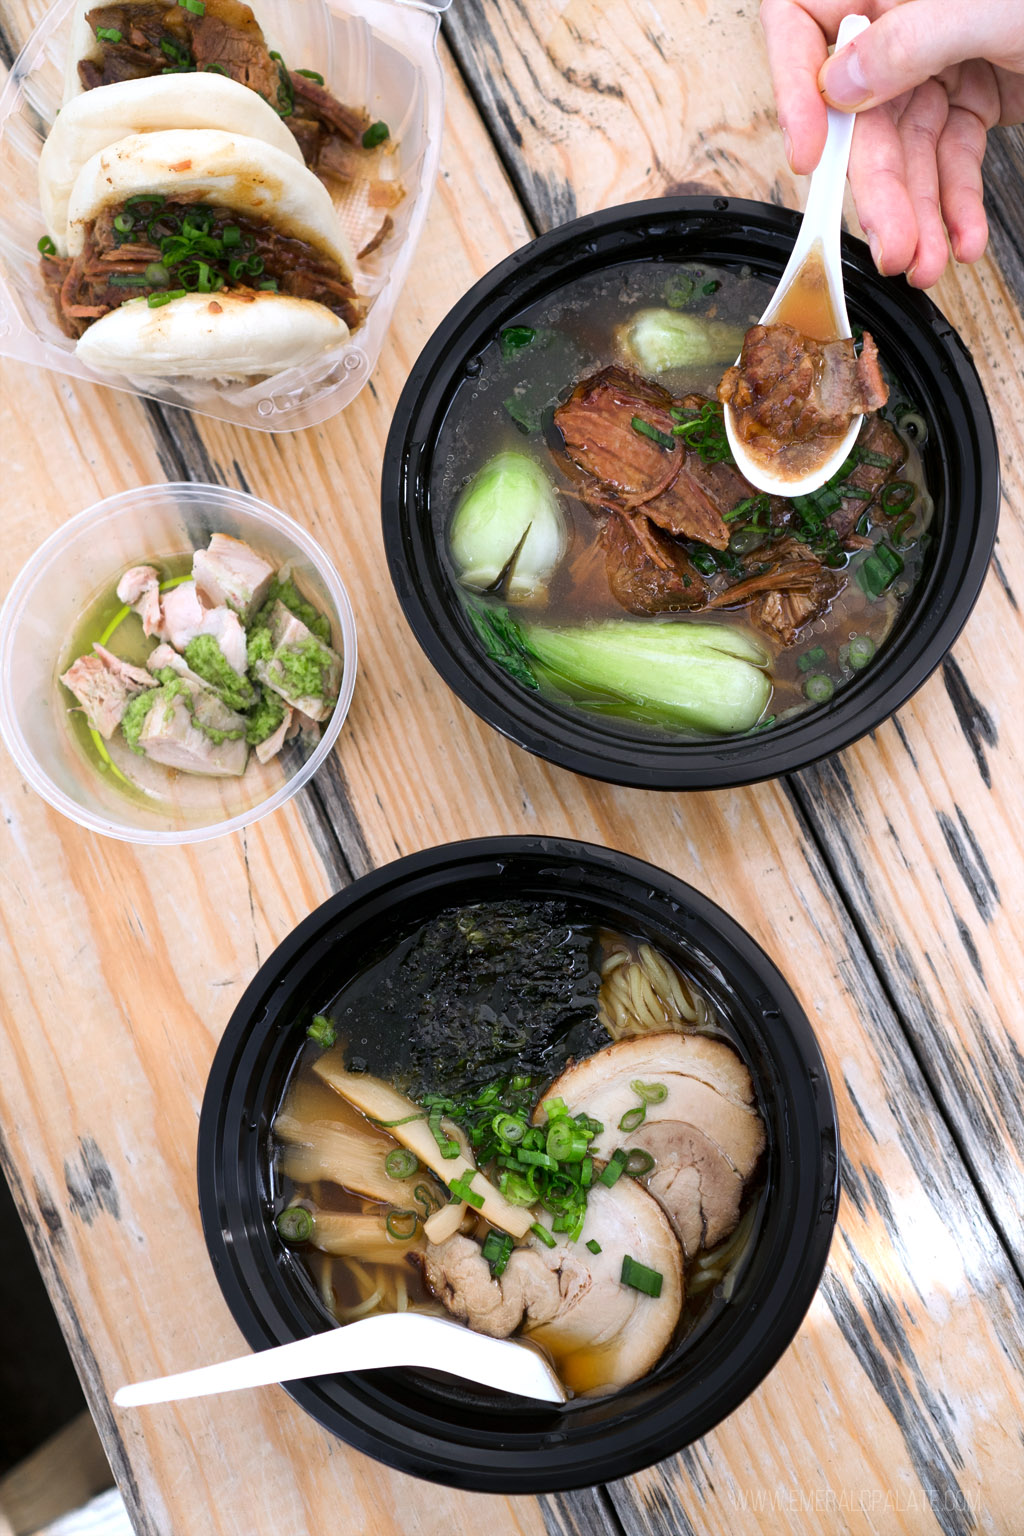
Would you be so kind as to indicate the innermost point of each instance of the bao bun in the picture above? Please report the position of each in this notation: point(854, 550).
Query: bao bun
point(231, 170)
point(211, 336)
point(97, 119)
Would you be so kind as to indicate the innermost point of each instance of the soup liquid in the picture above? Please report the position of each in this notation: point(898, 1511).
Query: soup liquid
point(578, 334)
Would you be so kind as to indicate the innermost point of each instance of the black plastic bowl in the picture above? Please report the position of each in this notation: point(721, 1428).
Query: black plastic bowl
point(961, 460)
point(433, 1427)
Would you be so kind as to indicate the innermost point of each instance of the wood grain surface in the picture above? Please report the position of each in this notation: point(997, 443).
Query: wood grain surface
point(886, 884)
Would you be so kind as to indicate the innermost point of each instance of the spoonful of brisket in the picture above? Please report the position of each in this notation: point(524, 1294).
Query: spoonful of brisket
point(797, 396)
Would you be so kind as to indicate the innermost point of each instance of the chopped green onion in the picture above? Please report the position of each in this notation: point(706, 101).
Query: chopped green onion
point(268, 285)
point(401, 1225)
point(633, 1118)
point(536, 1159)
point(663, 439)
point(639, 1277)
point(567, 1143)
point(704, 561)
point(544, 1235)
point(594, 1245)
point(513, 337)
point(400, 1163)
point(710, 287)
point(124, 223)
point(449, 1148)
point(311, 74)
point(405, 1120)
point(157, 274)
point(322, 1031)
point(638, 1163)
point(237, 269)
point(195, 6)
point(508, 1128)
point(295, 1224)
point(497, 1250)
point(109, 35)
point(897, 496)
point(819, 688)
point(879, 570)
point(814, 658)
point(376, 134)
point(650, 1093)
point(254, 265)
point(145, 197)
point(157, 300)
point(46, 246)
point(230, 235)
point(127, 280)
point(214, 69)
point(900, 526)
point(461, 1189)
point(876, 460)
point(516, 1190)
point(555, 1108)
point(861, 651)
point(613, 1169)
point(421, 1194)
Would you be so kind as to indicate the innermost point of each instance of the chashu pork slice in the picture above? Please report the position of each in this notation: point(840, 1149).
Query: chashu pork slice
point(601, 1333)
point(705, 1136)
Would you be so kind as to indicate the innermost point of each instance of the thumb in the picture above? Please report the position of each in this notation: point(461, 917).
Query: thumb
point(909, 44)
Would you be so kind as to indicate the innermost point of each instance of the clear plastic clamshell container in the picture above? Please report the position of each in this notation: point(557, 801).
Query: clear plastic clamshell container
point(380, 55)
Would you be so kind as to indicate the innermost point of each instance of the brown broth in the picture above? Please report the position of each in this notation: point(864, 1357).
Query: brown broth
point(506, 402)
point(344, 1285)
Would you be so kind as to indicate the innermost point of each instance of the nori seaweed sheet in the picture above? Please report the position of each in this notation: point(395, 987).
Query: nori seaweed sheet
point(479, 992)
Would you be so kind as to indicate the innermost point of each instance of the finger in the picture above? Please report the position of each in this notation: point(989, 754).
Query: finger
point(920, 128)
point(879, 185)
point(796, 51)
point(961, 149)
point(914, 41)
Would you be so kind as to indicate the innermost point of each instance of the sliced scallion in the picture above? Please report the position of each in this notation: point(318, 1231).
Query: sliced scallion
point(639, 1277)
point(593, 1245)
point(401, 1225)
point(322, 1031)
point(545, 1236)
point(633, 1118)
point(400, 1163)
point(656, 435)
point(650, 1093)
point(613, 1169)
point(497, 1250)
point(295, 1224)
point(376, 134)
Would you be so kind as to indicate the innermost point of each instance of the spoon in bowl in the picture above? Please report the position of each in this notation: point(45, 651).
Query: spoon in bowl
point(817, 239)
point(374, 1343)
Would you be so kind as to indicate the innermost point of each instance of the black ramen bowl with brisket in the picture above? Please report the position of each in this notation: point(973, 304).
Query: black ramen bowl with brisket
point(547, 1091)
point(582, 561)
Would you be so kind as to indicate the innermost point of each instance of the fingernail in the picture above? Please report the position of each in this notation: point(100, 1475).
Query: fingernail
point(787, 144)
point(910, 273)
point(875, 246)
point(844, 81)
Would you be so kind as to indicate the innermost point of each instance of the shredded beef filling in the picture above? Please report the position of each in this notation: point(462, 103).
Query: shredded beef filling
point(117, 265)
point(672, 516)
point(146, 38)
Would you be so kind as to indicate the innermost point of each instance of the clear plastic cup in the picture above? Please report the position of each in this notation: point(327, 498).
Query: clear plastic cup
point(380, 55)
point(41, 621)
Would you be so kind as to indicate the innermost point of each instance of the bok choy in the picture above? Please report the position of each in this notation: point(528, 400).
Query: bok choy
point(658, 339)
point(704, 676)
point(509, 533)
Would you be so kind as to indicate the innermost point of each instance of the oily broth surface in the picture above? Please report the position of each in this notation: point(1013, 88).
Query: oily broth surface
point(343, 1285)
point(578, 324)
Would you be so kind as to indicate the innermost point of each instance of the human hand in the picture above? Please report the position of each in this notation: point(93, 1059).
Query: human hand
point(927, 80)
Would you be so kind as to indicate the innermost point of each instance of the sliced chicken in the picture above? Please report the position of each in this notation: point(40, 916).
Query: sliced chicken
point(169, 735)
point(269, 748)
point(705, 1135)
point(301, 669)
point(601, 1332)
point(103, 684)
point(229, 573)
point(184, 618)
point(140, 589)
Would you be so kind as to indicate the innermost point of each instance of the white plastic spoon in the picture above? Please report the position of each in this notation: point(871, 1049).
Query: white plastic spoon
point(822, 225)
point(373, 1343)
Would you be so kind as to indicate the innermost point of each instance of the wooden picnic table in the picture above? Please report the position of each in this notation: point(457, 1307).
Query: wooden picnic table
point(887, 884)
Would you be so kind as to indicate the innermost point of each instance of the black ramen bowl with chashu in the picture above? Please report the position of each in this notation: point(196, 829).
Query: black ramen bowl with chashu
point(618, 922)
point(581, 561)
